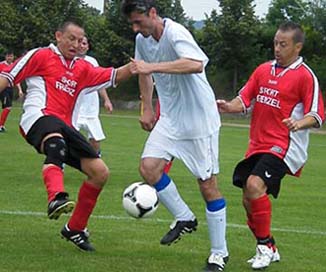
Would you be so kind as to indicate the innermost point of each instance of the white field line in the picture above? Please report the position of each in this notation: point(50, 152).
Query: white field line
point(237, 125)
point(127, 218)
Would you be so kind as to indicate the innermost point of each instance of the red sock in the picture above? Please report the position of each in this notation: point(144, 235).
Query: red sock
point(4, 115)
point(261, 212)
point(87, 198)
point(167, 167)
point(250, 223)
point(53, 181)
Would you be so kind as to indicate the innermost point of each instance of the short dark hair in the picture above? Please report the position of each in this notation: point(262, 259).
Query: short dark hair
point(9, 52)
point(299, 36)
point(141, 6)
point(63, 27)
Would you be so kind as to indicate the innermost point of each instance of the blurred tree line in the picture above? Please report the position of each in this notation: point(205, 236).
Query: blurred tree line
point(234, 39)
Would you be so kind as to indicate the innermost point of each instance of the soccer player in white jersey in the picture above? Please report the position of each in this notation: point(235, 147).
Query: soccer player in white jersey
point(188, 127)
point(88, 118)
point(288, 102)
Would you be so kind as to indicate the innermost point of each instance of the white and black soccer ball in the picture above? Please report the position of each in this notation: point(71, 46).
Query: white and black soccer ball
point(140, 200)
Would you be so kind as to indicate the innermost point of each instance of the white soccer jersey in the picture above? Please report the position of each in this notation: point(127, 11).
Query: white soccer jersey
point(188, 107)
point(90, 103)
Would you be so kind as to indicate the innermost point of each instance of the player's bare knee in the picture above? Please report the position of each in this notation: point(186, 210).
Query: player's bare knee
point(103, 174)
point(148, 173)
point(209, 189)
point(254, 187)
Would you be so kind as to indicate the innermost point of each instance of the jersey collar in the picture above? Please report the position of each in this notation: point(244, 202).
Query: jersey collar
point(56, 50)
point(293, 66)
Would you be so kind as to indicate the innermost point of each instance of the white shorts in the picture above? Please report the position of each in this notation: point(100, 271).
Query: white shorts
point(199, 155)
point(92, 126)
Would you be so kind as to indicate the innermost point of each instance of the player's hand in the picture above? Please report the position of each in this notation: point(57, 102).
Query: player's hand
point(140, 67)
point(108, 106)
point(291, 124)
point(222, 105)
point(20, 94)
point(147, 120)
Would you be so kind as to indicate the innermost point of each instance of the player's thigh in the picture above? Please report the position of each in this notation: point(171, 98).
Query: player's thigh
point(158, 146)
point(270, 169)
point(94, 168)
point(78, 148)
point(200, 155)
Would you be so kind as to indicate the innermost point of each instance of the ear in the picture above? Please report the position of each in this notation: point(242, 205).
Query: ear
point(152, 13)
point(299, 46)
point(58, 35)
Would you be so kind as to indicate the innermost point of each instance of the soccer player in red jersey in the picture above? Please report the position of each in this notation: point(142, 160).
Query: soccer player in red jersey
point(6, 96)
point(287, 102)
point(56, 80)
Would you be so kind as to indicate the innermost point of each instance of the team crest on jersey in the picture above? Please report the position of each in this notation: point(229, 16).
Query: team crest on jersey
point(67, 85)
point(277, 149)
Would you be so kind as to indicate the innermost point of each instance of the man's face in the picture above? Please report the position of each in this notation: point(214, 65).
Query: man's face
point(10, 58)
point(142, 23)
point(286, 50)
point(69, 40)
point(84, 46)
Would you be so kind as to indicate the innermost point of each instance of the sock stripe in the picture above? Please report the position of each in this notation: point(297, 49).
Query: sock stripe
point(215, 205)
point(162, 183)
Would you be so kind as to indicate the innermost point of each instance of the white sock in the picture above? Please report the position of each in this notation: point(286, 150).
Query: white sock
point(172, 200)
point(216, 222)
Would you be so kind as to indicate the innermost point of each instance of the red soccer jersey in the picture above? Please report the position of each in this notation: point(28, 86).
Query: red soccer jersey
point(281, 93)
point(54, 84)
point(3, 65)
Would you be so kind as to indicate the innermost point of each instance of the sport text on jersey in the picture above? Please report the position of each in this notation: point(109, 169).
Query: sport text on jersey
point(269, 97)
point(66, 85)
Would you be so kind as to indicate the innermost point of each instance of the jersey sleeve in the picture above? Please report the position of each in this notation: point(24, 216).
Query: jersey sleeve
point(185, 45)
point(249, 91)
point(28, 65)
point(96, 78)
point(312, 97)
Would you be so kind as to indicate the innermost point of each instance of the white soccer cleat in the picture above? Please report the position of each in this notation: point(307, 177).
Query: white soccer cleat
point(276, 257)
point(216, 263)
point(263, 257)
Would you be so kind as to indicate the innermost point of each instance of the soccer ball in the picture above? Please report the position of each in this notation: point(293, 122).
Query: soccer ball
point(140, 200)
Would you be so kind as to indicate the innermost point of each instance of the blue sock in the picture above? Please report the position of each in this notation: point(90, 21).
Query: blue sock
point(162, 183)
point(215, 205)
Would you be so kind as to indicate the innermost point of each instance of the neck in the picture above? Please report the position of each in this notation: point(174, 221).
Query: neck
point(292, 60)
point(159, 28)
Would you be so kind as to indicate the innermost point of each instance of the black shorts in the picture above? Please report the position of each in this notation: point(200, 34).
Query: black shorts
point(268, 167)
point(77, 145)
point(6, 97)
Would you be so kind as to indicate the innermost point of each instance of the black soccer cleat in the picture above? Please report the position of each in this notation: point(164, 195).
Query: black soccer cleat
point(59, 205)
point(215, 263)
point(177, 229)
point(78, 238)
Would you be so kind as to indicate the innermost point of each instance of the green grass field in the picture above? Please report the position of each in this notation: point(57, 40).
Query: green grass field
point(31, 242)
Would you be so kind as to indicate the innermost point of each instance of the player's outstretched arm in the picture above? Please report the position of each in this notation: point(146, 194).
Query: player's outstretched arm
point(233, 106)
point(180, 66)
point(123, 73)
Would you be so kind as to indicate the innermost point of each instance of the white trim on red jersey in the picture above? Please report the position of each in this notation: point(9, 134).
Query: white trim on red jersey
point(54, 84)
